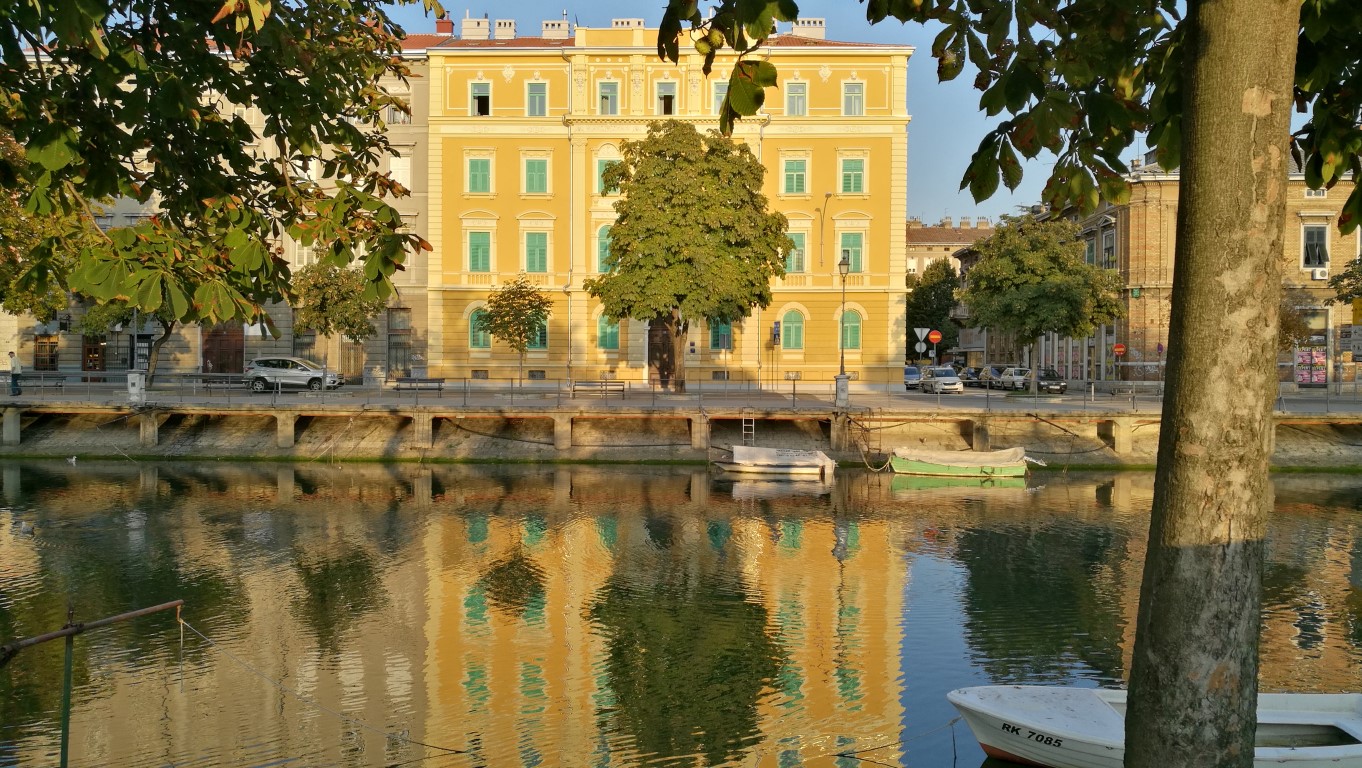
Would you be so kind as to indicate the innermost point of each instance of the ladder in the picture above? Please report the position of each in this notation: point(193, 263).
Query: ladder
point(749, 427)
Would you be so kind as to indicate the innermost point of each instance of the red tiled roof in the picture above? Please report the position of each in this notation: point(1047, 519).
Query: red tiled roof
point(515, 42)
point(947, 235)
point(798, 41)
point(419, 42)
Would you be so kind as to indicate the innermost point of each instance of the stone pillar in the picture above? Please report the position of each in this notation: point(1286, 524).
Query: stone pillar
point(284, 422)
point(148, 480)
point(980, 439)
point(284, 481)
point(9, 432)
point(423, 430)
point(699, 432)
point(12, 482)
point(562, 432)
point(1116, 434)
point(841, 432)
point(562, 491)
point(699, 489)
point(149, 428)
point(422, 488)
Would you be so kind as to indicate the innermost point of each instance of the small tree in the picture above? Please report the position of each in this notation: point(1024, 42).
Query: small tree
point(931, 296)
point(1292, 328)
point(99, 320)
point(694, 239)
point(331, 300)
point(516, 313)
point(1032, 279)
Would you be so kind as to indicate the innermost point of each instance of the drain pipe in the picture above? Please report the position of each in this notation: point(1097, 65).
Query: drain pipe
point(572, 215)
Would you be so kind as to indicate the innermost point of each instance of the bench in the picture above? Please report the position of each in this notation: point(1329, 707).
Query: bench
point(42, 380)
point(598, 387)
point(417, 383)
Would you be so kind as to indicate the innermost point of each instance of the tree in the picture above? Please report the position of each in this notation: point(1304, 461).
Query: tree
point(694, 239)
point(516, 313)
point(930, 299)
point(137, 99)
point(331, 300)
point(1293, 330)
point(1212, 95)
point(1032, 279)
point(99, 319)
point(1347, 284)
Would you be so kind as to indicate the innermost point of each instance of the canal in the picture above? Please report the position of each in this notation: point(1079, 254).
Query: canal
point(547, 615)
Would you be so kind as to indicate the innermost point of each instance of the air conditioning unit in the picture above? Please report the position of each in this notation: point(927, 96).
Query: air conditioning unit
point(1319, 274)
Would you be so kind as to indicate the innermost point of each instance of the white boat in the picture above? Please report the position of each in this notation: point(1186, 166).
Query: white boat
point(1066, 727)
point(783, 462)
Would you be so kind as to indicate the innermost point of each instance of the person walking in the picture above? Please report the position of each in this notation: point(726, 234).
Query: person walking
point(15, 368)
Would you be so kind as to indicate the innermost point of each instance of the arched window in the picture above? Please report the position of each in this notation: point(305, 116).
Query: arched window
point(603, 249)
point(792, 330)
point(607, 333)
point(477, 337)
point(851, 329)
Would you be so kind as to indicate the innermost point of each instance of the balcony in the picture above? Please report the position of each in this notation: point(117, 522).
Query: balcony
point(960, 313)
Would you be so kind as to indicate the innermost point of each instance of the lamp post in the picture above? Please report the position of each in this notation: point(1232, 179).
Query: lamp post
point(843, 398)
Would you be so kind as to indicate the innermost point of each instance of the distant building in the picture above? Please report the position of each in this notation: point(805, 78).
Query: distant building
point(945, 240)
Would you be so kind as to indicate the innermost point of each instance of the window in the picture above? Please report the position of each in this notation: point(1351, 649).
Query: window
point(607, 334)
point(480, 101)
point(479, 176)
point(852, 243)
point(399, 341)
point(794, 177)
point(853, 176)
point(792, 330)
point(537, 99)
point(794, 258)
point(853, 99)
point(536, 251)
point(477, 337)
point(44, 353)
point(1091, 256)
point(1316, 193)
point(796, 99)
point(1316, 242)
point(610, 98)
point(720, 93)
point(666, 98)
point(400, 170)
point(602, 166)
point(479, 251)
point(398, 116)
point(540, 339)
point(720, 336)
point(536, 176)
point(1108, 250)
point(851, 329)
point(603, 262)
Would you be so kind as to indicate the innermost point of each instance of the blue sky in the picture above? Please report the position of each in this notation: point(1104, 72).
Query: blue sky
point(946, 126)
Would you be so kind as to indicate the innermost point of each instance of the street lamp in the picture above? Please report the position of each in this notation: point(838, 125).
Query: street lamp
point(843, 399)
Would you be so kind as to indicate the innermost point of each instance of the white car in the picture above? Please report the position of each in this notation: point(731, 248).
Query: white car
point(941, 379)
point(266, 373)
point(1016, 378)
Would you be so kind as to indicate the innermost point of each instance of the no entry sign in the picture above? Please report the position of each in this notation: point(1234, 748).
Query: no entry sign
point(1118, 349)
point(934, 337)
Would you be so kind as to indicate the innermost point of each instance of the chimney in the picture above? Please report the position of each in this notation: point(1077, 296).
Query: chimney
point(444, 26)
point(914, 223)
point(982, 223)
point(557, 29)
point(504, 29)
point(945, 222)
point(626, 23)
point(964, 222)
point(812, 28)
point(475, 29)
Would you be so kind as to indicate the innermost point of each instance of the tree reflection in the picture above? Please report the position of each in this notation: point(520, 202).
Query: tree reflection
point(514, 583)
point(336, 589)
point(1034, 605)
point(686, 662)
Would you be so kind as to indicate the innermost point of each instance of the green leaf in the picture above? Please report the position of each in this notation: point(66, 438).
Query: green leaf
point(744, 96)
point(1007, 162)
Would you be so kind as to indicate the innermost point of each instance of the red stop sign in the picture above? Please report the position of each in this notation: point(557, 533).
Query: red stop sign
point(1118, 349)
point(934, 337)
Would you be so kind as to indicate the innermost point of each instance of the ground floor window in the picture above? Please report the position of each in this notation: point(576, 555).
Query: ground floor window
point(45, 353)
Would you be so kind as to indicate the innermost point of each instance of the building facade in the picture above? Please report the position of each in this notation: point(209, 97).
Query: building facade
point(944, 240)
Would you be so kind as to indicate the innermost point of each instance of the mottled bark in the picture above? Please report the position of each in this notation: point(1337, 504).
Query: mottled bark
point(1195, 671)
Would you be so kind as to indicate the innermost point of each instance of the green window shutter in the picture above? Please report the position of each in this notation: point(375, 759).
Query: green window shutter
point(796, 99)
point(536, 177)
point(794, 260)
point(478, 338)
point(794, 177)
point(851, 246)
point(607, 333)
point(479, 251)
point(536, 251)
point(792, 330)
point(720, 336)
point(537, 100)
point(851, 330)
point(479, 176)
point(603, 250)
point(540, 339)
point(853, 176)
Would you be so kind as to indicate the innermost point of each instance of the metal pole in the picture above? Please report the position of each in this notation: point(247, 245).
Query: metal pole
point(66, 686)
point(8, 650)
point(842, 330)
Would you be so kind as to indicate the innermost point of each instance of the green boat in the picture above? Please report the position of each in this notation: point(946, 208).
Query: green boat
point(1009, 462)
point(917, 484)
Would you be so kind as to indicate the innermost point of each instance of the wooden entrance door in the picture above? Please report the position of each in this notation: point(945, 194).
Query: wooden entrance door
point(224, 348)
point(661, 367)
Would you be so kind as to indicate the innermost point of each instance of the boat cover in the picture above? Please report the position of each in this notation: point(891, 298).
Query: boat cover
point(782, 457)
point(963, 458)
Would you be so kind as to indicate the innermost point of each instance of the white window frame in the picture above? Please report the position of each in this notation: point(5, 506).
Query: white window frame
point(525, 158)
point(468, 157)
point(798, 257)
point(1324, 227)
point(473, 98)
point(847, 104)
point(615, 102)
point(399, 168)
point(658, 95)
point(841, 173)
point(719, 91)
point(529, 98)
point(785, 160)
point(525, 233)
point(803, 97)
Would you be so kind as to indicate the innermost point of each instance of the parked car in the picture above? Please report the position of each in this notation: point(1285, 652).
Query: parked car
point(912, 377)
point(941, 379)
point(1051, 381)
point(989, 378)
point(1015, 378)
point(265, 373)
point(969, 376)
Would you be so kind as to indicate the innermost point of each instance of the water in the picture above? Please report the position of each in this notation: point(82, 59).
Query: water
point(592, 616)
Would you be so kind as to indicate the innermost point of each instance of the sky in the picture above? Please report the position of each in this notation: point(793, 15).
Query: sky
point(946, 125)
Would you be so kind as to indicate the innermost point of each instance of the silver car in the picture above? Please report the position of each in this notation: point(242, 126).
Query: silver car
point(265, 373)
point(941, 379)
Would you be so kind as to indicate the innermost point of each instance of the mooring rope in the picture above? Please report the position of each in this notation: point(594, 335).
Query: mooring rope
point(344, 718)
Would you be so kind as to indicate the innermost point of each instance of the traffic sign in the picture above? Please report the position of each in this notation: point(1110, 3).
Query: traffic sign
point(920, 347)
point(1118, 349)
point(921, 333)
point(934, 337)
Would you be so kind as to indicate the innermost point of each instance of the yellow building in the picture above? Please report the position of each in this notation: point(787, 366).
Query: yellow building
point(520, 129)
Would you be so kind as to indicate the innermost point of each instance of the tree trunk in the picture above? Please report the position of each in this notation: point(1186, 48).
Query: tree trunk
point(1035, 366)
point(154, 356)
point(679, 330)
point(1194, 677)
